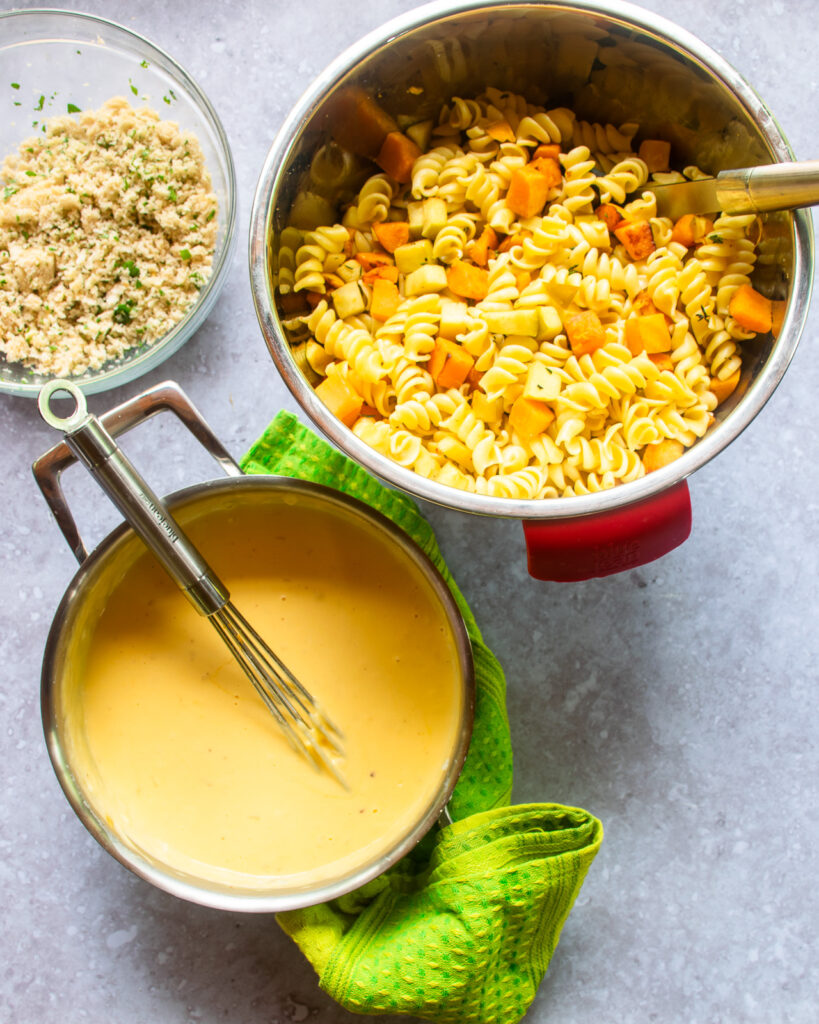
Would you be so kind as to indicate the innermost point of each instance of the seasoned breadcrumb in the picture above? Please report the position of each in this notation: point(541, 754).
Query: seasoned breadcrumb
point(107, 232)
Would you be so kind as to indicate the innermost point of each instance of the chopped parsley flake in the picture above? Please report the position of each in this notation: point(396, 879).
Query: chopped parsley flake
point(73, 108)
point(40, 103)
point(122, 312)
point(185, 254)
point(129, 265)
point(15, 85)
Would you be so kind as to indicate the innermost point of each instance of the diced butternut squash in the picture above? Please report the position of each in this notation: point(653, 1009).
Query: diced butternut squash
point(467, 280)
point(522, 279)
point(397, 155)
point(473, 378)
point(391, 234)
point(662, 360)
point(529, 187)
point(500, 131)
point(547, 150)
point(690, 228)
point(723, 388)
point(751, 310)
point(512, 240)
point(359, 123)
point(530, 417)
point(479, 249)
point(449, 363)
point(648, 334)
point(612, 215)
point(313, 298)
point(340, 399)
point(584, 331)
point(385, 299)
point(368, 260)
point(643, 304)
point(655, 154)
point(549, 167)
point(371, 411)
point(655, 456)
point(636, 236)
point(388, 273)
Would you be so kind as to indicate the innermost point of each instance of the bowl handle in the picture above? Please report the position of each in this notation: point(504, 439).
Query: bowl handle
point(583, 548)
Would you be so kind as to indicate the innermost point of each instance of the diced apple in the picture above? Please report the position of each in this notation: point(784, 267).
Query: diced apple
point(349, 300)
point(454, 319)
point(542, 383)
point(513, 321)
point(549, 323)
point(413, 255)
point(429, 278)
point(434, 217)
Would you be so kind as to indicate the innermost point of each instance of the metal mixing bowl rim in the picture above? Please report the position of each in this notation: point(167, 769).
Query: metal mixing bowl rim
point(757, 394)
point(127, 369)
point(201, 891)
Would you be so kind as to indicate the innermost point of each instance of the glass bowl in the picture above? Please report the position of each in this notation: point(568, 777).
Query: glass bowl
point(57, 61)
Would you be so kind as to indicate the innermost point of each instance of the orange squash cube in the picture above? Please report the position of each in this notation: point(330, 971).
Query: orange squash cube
point(751, 310)
point(723, 388)
point(655, 456)
point(529, 417)
point(648, 334)
point(584, 331)
point(449, 364)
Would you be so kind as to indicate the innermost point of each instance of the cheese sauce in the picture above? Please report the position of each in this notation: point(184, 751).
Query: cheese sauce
point(182, 758)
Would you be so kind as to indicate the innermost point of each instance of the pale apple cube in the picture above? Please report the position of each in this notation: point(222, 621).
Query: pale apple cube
point(429, 278)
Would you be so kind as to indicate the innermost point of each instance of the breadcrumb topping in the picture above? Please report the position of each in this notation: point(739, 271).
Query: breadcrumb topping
point(108, 227)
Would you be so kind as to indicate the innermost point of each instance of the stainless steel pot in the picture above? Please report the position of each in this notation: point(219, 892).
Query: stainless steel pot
point(668, 81)
point(100, 572)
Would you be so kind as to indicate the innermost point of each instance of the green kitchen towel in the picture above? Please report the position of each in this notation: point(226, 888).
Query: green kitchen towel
point(463, 928)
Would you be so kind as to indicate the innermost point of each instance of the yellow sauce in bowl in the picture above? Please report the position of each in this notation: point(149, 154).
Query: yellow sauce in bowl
point(174, 749)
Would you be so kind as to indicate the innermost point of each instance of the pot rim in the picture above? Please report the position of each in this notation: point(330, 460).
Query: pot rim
point(203, 891)
point(757, 394)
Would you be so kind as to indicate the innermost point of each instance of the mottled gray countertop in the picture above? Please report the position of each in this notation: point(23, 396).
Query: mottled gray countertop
point(677, 702)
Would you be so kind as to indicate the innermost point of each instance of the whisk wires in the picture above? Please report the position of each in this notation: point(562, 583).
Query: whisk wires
point(299, 715)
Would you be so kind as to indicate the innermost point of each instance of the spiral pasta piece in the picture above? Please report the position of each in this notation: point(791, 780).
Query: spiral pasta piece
point(491, 340)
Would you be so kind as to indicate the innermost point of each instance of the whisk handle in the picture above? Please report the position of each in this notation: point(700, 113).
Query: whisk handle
point(142, 508)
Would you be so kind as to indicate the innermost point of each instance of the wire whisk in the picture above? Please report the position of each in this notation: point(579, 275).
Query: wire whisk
point(298, 714)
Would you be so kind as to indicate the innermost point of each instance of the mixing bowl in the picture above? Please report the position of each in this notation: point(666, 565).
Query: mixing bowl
point(610, 63)
point(58, 61)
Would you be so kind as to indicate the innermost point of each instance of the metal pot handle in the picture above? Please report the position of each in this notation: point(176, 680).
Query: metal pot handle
point(587, 547)
point(165, 397)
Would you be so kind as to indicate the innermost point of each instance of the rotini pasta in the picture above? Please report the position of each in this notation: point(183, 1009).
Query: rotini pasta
point(519, 338)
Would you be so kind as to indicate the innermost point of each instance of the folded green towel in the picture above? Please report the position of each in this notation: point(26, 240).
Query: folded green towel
point(464, 927)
